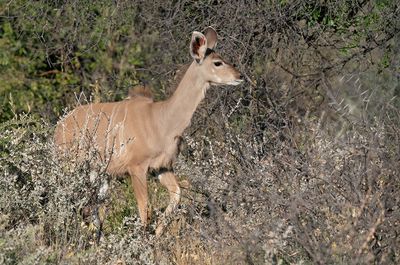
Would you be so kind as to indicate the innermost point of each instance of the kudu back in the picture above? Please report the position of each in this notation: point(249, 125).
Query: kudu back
point(139, 134)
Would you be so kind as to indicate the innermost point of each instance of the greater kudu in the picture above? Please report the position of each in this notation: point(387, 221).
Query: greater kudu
point(140, 134)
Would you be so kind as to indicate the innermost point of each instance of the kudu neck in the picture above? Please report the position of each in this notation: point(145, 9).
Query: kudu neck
point(180, 107)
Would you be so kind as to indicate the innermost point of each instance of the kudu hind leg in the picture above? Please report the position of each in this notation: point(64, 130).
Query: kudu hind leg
point(169, 181)
point(139, 185)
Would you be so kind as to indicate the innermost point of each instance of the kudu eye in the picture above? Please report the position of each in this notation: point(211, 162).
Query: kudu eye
point(217, 63)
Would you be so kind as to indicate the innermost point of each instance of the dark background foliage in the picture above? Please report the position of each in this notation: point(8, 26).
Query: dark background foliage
point(300, 164)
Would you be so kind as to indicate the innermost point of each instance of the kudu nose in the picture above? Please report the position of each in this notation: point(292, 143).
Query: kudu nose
point(240, 74)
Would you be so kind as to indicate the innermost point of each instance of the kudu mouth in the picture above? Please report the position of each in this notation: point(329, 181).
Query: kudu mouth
point(230, 83)
point(235, 82)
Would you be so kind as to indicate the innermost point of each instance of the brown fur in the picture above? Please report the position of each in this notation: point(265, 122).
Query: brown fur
point(139, 134)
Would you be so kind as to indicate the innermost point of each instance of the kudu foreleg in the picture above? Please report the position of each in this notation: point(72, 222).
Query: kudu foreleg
point(139, 184)
point(168, 180)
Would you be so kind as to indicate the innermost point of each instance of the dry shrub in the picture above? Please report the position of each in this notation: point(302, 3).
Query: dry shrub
point(298, 165)
point(293, 194)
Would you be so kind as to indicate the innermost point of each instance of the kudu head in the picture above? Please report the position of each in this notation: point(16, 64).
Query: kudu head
point(211, 67)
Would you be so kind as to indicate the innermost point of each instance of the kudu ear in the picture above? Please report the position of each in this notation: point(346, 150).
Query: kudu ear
point(211, 36)
point(198, 46)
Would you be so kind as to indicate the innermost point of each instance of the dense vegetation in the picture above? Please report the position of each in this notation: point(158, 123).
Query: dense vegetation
point(299, 165)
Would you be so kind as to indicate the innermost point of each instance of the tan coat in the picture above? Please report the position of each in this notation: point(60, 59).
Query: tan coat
point(138, 134)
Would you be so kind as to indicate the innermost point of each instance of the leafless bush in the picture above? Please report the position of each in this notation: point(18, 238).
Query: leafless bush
point(296, 193)
point(298, 165)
